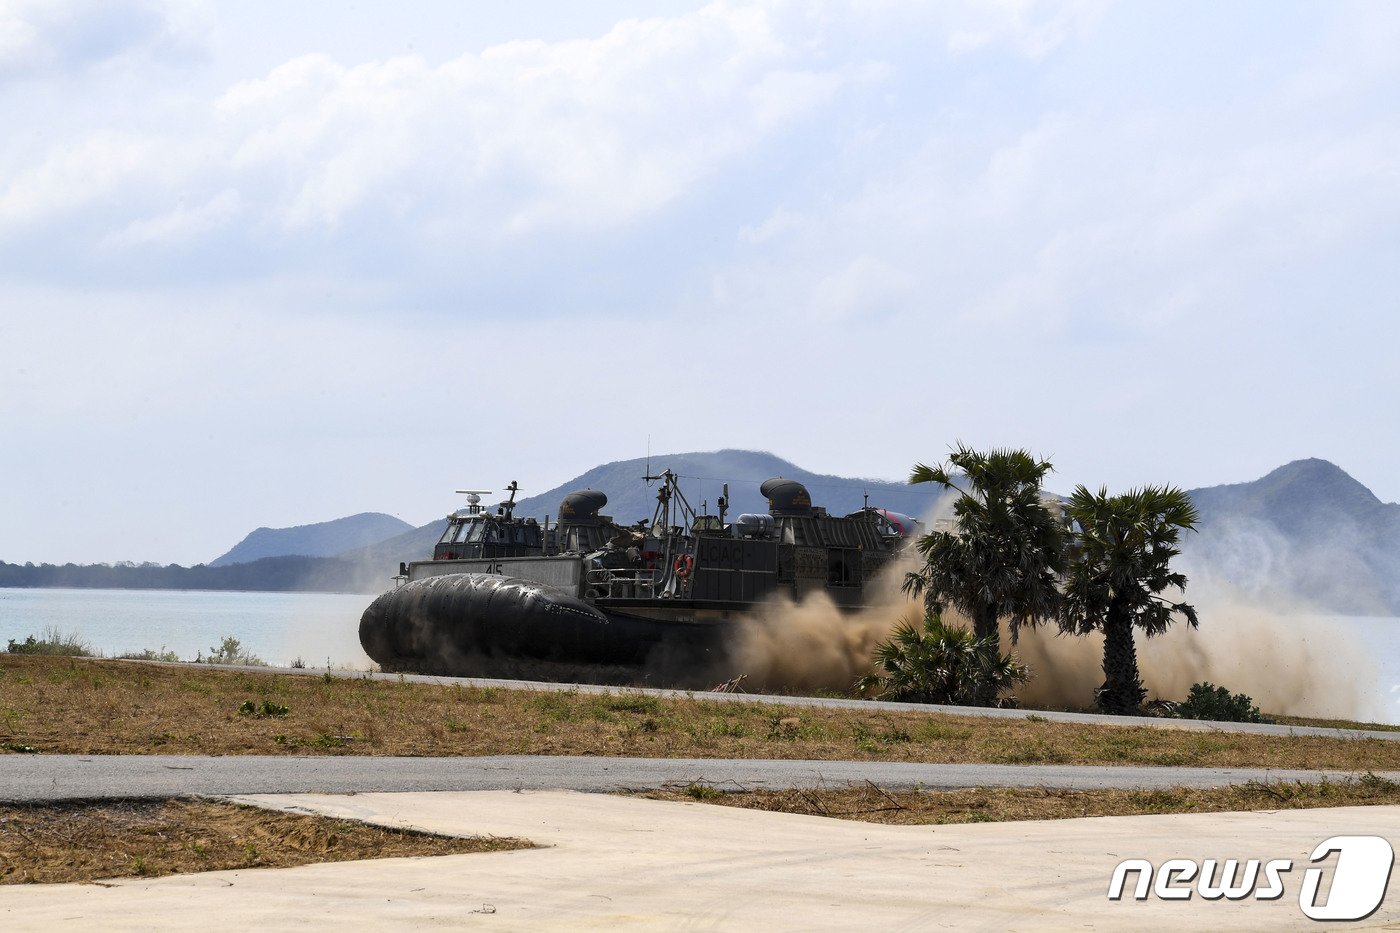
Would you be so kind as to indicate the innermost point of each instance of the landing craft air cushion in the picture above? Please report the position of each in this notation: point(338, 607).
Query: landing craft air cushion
point(594, 600)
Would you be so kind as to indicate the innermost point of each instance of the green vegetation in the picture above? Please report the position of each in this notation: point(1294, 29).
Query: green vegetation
point(701, 791)
point(146, 654)
point(268, 708)
point(92, 707)
point(1119, 564)
point(1207, 701)
point(279, 574)
point(871, 803)
point(1100, 567)
point(940, 664)
point(1004, 560)
point(230, 651)
point(53, 643)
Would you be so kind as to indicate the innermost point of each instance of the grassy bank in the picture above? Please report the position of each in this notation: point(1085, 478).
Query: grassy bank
point(93, 706)
point(85, 706)
point(872, 804)
point(147, 839)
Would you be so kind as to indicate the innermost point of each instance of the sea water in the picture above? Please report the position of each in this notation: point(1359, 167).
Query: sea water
point(316, 628)
point(321, 629)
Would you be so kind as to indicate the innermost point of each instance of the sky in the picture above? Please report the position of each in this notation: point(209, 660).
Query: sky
point(268, 264)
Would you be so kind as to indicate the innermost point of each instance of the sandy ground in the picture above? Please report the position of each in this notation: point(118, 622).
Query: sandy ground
point(627, 863)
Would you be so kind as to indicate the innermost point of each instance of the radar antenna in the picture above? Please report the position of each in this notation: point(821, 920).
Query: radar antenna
point(473, 500)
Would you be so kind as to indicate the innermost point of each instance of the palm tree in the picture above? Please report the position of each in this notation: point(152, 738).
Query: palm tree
point(1004, 558)
point(1119, 564)
point(939, 664)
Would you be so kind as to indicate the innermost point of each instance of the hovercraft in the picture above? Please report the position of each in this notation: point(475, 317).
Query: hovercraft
point(592, 600)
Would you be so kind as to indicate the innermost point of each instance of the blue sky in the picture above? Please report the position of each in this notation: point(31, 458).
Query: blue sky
point(269, 264)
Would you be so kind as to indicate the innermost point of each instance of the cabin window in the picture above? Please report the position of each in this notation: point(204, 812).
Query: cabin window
point(843, 567)
point(447, 535)
point(477, 530)
point(462, 531)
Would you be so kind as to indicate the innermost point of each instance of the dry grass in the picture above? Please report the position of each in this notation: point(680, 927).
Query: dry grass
point(89, 841)
point(84, 706)
point(873, 804)
point(1334, 723)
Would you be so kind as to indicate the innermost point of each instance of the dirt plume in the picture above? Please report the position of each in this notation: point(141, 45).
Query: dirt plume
point(811, 644)
point(1289, 664)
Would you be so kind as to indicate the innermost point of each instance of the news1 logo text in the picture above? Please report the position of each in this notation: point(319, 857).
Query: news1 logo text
point(1357, 886)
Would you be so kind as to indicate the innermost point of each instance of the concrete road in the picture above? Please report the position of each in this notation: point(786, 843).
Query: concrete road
point(34, 778)
point(627, 864)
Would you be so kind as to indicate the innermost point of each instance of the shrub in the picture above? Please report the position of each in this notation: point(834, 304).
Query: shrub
point(1207, 701)
point(231, 652)
point(940, 664)
point(54, 643)
point(268, 708)
point(148, 654)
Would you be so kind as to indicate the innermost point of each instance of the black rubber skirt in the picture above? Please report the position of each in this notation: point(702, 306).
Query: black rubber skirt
point(475, 624)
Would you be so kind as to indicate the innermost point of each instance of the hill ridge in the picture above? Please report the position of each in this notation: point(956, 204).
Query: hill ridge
point(317, 539)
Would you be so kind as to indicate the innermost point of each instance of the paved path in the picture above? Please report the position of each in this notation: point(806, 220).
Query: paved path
point(77, 777)
point(611, 863)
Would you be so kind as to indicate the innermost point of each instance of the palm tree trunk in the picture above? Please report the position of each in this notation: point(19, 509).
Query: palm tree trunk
point(984, 625)
point(1122, 690)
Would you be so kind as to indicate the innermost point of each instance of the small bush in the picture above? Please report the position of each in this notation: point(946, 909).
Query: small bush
point(1207, 701)
point(632, 703)
point(784, 727)
point(231, 652)
point(147, 654)
point(53, 642)
point(939, 663)
point(268, 708)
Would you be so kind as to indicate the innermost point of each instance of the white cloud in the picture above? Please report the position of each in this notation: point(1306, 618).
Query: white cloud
point(179, 227)
point(864, 285)
point(61, 35)
point(268, 273)
point(1033, 28)
point(524, 137)
point(78, 176)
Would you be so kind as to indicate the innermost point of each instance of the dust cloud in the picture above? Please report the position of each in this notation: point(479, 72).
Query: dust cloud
point(813, 645)
point(1257, 640)
point(810, 644)
point(1289, 664)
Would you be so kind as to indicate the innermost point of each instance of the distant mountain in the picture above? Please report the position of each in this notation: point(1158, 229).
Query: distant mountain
point(1306, 534)
point(703, 476)
point(1306, 537)
point(323, 539)
point(1308, 531)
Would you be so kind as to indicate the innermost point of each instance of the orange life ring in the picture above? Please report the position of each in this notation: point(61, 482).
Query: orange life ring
point(684, 565)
